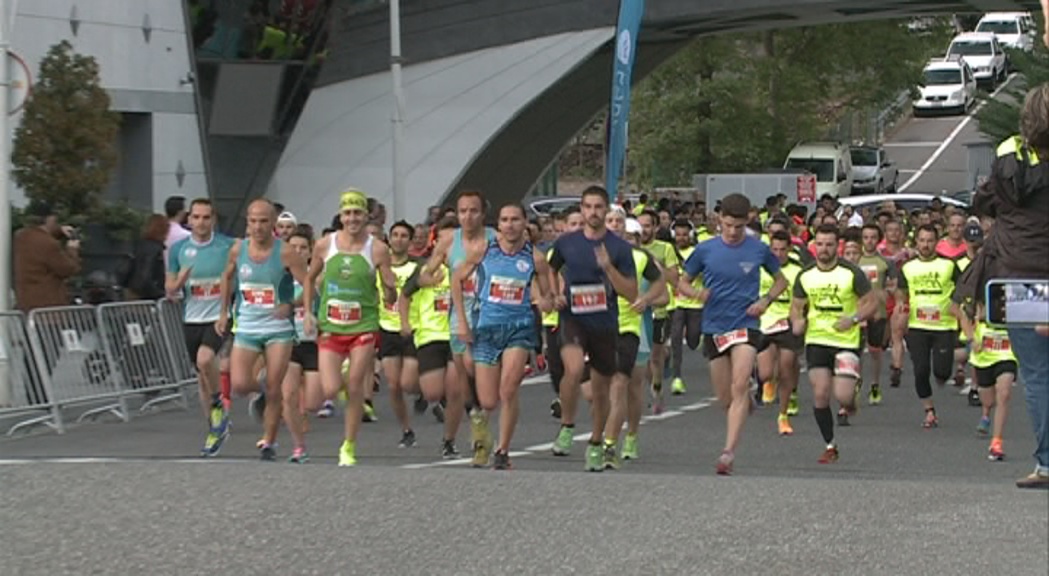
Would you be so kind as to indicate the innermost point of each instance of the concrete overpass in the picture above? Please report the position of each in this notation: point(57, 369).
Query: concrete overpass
point(495, 89)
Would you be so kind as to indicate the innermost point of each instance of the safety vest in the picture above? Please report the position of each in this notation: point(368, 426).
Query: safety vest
point(995, 347)
point(629, 320)
point(776, 316)
point(931, 284)
point(697, 285)
point(830, 297)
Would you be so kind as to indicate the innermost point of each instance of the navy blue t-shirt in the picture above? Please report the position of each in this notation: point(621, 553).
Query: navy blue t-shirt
point(590, 295)
point(733, 275)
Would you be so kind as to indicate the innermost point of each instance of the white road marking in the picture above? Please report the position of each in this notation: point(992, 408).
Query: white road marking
point(907, 171)
point(910, 144)
point(950, 138)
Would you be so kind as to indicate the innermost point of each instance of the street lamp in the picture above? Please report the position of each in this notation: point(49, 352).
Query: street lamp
point(397, 204)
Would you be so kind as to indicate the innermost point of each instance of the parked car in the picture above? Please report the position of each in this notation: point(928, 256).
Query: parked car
point(830, 162)
point(948, 85)
point(872, 171)
point(983, 53)
point(906, 202)
point(551, 206)
point(1015, 30)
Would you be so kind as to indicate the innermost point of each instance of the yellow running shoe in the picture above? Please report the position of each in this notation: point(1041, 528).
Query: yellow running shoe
point(768, 393)
point(481, 438)
point(348, 453)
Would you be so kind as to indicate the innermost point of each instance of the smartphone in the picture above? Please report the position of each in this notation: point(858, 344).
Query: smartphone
point(1017, 302)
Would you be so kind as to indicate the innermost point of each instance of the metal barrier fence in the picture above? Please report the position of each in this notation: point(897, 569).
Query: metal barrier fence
point(90, 356)
point(23, 394)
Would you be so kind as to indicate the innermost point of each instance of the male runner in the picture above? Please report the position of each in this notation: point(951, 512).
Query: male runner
point(896, 252)
point(778, 356)
point(286, 224)
point(932, 328)
point(345, 265)
point(396, 352)
point(596, 266)
point(883, 278)
point(450, 251)
point(302, 383)
point(572, 221)
point(667, 258)
point(686, 320)
point(195, 266)
point(838, 297)
point(992, 357)
point(264, 269)
point(730, 265)
point(504, 333)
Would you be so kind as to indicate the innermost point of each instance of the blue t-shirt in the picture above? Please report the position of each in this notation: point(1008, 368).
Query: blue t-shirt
point(590, 295)
point(733, 275)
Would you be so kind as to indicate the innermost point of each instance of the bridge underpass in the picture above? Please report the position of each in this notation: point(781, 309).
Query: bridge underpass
point(494, 90)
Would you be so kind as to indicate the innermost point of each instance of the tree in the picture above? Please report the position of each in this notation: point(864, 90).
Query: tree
point(1000, 117)
point(66, 146)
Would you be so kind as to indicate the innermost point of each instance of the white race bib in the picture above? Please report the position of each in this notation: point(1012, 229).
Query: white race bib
point(588, 299)
point(503, 290)
point(258, 295)
point(729, 339)
point(780, 326)
point(343, 313)
point(927, 314)
point(205, 288)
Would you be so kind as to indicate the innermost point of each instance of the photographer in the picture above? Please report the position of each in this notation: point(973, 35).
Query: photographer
point(1016, 195)
point(41, 263)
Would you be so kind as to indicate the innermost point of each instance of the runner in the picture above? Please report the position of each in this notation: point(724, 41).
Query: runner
point(286, 224)
point(778, 368)
point(687, 315)
point(195, 266)
point(396, 352)
point(572, 221)
point(667, 258)
point(450, 251)
point(897, 253)
point(596, 266)
point(883, 277)
point(635, 346)
point(302, 383)
point(932, 328)
point(264, 269)
point(344, 268)
point(838, 297)
point(424, 318)
point(992, 357)
point(504, 334)
point(730, 267)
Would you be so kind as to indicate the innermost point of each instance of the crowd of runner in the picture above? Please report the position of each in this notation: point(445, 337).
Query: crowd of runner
point(606, 297)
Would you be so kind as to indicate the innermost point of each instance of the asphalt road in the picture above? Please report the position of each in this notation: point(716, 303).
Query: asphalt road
point(110, 497)
point(931, 154)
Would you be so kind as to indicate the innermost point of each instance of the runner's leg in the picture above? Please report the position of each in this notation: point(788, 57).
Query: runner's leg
point(511, 373)
point(277, 356)
point(293, 416)
point(742, 366)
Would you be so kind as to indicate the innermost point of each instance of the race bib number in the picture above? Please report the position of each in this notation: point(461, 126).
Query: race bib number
point(344, 313)
point(442, 303)
point(390, 306)
point(729, 339)
point(470, 285)
point(996, 344)
point(205, 289)
point(847, 364)
point(503, 290)
point(928, 314)
point(781, 326)
point(589, 299)
point(871, 272)
point(259, 295)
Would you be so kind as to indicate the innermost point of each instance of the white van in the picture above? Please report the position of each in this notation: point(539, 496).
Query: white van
point(1013, 29)
point(829, 161)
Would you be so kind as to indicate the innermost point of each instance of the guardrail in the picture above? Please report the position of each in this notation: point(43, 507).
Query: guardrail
point(101, 357)
point(872, 126)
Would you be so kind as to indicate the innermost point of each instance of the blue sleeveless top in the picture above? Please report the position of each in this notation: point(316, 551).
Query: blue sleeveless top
point(456, 255)
point(261, 288)
point(504, 287)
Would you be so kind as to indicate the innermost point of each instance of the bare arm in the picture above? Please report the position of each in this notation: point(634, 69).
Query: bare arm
point(462, 272)
point(226, 285)
point(430, 275)
point(295, 263)
point(966, 323)
point(868, 305)
point(625, 287)
point(309, 287)
point(543, 277)
point(656, 295)
point(797, 314)
point(384, 267)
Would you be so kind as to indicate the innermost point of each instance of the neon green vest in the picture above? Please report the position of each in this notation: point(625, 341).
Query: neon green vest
point(389, 318)
point(996, 347)
point(779, 309)
point(931, 285)
point(629, 320)
point(434, 304)
point(830, 297)
point(697, 285)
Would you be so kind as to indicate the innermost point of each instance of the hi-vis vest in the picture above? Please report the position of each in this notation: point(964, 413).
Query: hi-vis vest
point(931, 284)
point(1014, 145)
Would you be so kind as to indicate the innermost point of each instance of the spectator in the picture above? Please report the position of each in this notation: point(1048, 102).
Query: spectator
point(420, 246)
point(1016, 195)
point(145, 279)
point(41, 264)
point(175, 210)
point(433, 215)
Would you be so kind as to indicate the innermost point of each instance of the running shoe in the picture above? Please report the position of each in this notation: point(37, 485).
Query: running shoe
point(257, 406)
point(984, 427)
point(348, 453)
point(407, 439)
point(724, 464)
point(830, 455)
point(895, 374)
point(448, 450)
point(501, 461)
point(677, 387)
point(874, 396)
point(213, 443)
point(768, 392)
point(785, 429)
point(563, 443)
point(369, 412)
point(657, 405)
point(595, 458)
point(610, 458)
point(420, 405)
point(327, 410)
point(630, 451)
point(974, 398)
point(267, 452)
point(528, 371)
point(438, 412)
point(555, 408)
point(540, 362)
point(931, 421)
point(996, 453)
point(792, 405)
point(375, 382)
point(299, 456)
point(260, 443)
point(843, 417)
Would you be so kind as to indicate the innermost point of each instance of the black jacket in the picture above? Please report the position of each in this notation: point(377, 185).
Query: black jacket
point(147, 270)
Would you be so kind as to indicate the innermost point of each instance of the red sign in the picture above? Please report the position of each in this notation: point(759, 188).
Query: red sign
point(807, 189)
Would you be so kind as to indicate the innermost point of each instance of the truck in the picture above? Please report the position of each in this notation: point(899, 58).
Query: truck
point(800, 187)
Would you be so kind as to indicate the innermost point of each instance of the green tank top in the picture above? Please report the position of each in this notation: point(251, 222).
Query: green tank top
point(389, 317)
point(777, 316)
point(697, 285)
point(433, 305)
point(349, 291)
point(629, 320)
point(931, 284)
point(996, 347)
point(831, 295)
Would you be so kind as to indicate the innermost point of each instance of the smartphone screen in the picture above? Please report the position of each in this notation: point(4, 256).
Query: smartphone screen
point(1017, 302)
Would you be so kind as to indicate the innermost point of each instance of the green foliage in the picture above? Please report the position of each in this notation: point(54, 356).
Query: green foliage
point(122, 222)
point(740, 102)
point(1000, 118)
point(66, 146)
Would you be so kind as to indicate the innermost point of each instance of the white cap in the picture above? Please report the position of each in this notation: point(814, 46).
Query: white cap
point(633, 226)
point(618, 209)
point(287, 217)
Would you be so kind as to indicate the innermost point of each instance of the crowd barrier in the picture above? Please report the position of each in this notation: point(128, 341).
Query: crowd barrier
point(91, 358)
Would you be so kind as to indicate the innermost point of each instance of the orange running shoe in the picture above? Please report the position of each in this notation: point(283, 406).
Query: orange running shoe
point(785, 429)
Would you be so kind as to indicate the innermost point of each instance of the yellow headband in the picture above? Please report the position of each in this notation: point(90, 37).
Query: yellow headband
point(353, 199)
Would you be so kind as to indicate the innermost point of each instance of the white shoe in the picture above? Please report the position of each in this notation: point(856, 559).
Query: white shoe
point(965, 390)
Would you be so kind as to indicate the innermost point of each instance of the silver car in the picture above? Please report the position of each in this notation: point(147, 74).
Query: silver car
point(872, 171)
